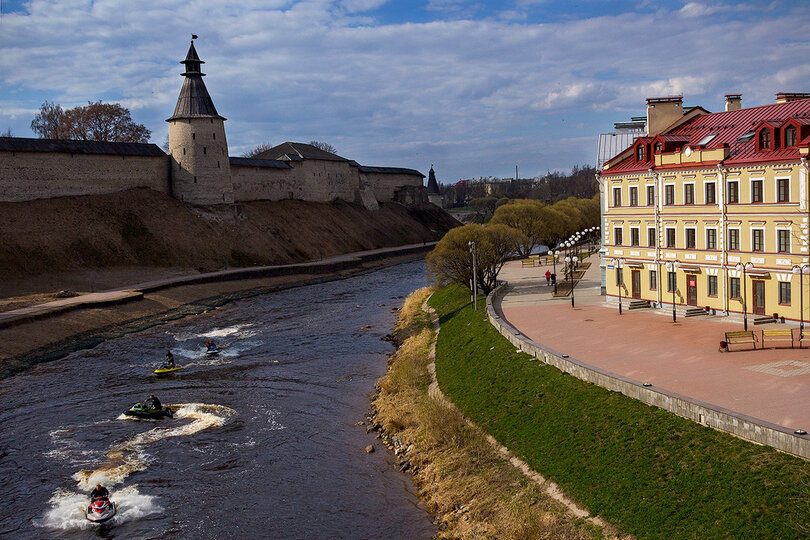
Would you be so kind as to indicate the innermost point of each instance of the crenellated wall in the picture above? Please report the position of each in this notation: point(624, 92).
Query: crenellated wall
point(26, 176)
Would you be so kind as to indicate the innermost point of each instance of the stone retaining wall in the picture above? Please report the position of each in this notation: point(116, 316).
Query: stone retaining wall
point(745, 427)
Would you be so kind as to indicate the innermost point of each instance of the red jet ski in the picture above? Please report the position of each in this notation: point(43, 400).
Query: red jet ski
point(101, 510)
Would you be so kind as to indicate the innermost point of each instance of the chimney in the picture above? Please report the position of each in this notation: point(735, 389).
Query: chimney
point(662, 112)
point(784, 97)
point(733, 102)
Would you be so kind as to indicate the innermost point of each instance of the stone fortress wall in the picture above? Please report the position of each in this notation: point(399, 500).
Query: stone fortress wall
point(198, 169)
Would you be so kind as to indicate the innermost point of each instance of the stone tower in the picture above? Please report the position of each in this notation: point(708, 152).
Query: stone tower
point(201, 172)
point(434, 196)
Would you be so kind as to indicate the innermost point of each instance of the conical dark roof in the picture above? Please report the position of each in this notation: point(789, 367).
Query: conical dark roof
point(194, 100)
point(433, 186)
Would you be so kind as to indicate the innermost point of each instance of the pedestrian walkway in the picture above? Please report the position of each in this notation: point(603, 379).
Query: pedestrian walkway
point(136, 291)
point(645, 345)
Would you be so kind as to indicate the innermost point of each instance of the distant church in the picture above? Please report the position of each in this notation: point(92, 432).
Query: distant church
point(198, 169)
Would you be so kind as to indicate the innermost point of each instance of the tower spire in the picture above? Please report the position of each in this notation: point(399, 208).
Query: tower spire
point(194, 100)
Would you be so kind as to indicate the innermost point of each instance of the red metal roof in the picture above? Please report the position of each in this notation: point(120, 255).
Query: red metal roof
point(729, 126)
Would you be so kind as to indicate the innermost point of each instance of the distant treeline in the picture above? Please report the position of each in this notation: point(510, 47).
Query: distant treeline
point(554, 186)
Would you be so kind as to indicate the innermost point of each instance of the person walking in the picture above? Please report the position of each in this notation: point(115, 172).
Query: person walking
point(548, 278)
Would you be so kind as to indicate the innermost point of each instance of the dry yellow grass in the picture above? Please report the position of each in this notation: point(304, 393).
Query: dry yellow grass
point(459, 475)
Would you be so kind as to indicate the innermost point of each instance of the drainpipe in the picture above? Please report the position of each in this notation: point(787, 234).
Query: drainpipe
point(802, 230)
point(658, 203)
point(721, 197)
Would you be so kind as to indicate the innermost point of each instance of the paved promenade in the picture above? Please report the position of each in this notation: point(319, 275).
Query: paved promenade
point(136, 291)
point(645, 345)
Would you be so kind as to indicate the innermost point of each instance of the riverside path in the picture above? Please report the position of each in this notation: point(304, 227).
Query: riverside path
point(772, 385)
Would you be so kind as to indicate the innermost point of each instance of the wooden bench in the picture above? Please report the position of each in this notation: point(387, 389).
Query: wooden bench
point(527, 262)
point(782, 334)
point(804, 336)
point(741, 337)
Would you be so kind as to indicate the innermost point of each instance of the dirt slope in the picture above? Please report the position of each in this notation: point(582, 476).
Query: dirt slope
point(156, 235)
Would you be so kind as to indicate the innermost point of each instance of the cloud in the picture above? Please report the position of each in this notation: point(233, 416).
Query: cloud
point(472, 96)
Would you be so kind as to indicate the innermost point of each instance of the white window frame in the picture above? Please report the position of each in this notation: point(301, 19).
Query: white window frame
point(751, 189)
point(706, 238)
point(790, 239)
point(686, 235)
point(621, 196)
point(727, 191)
point(751, 239)
point(776, 189)
point(694, 196)
point(648, 236)
point(714, 183)
point(638, 232)
point(674, 196)
point(647, 191)
point(666, 237)
point(739, 238)
point(621, 228)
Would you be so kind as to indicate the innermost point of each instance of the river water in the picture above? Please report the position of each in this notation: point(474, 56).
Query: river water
point(263, 443)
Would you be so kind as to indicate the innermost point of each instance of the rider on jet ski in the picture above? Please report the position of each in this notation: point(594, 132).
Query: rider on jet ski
point(211, 345)
point(169, 359)
point(152, 403)
point(99, 492)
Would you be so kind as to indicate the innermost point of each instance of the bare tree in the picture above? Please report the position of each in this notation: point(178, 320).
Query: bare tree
point(326, 147)
point(7, 133)
point(263, 147)
point(95, 121)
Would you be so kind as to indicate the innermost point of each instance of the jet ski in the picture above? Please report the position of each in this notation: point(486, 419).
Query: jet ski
point(139, 410)
point(212, 348)
point(101, 510)
point(167, 368)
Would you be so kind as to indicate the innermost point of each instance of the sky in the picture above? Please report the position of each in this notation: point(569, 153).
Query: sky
point(474, 88)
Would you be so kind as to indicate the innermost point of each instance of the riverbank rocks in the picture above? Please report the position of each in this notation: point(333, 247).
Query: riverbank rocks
point(369, 449)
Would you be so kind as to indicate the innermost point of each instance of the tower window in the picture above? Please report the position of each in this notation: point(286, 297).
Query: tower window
point(215, 136)
point(205, 150)
point(195, 179)
point(184, 150)
point(193, 136)
point(218, 164)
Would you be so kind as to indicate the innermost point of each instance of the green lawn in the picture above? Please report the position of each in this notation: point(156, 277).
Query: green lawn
point(649, 472)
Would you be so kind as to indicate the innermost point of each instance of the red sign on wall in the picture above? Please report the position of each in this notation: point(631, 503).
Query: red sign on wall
point(691, 282)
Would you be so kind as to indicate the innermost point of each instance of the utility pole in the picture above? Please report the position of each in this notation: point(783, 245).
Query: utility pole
point(475, 281)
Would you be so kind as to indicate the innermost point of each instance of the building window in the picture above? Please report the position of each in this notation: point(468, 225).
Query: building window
point(658, 147)
point(193, 136)
point(669, 194)
point(710, 193)
point(711, 286)
point(733, 192)
point(670, 238)
point(691, 238)
point(790, 136)
point(214, 135)
point(653, 280)
point(784, 293)
point(757, 240)
point(756, 191)
point(205, 150)
point(634, 196)
point(617, 236)
point(734, 288)
point(640, 155)
point(765, 139)
point(650, 195)
point(671, 281)
point(711, 238)
point(689, 194)
point(734, 239)
point(634, 237)
point(783, 236)
point(617, 196)
point(651, 237)
point(783, 190)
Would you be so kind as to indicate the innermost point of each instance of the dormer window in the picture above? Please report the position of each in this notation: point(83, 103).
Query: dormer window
point(765, 139)
point(640, 155)
point(790, 136)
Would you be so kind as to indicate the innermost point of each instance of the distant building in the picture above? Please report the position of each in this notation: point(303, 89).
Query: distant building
point(434, 195)
point(710, 210)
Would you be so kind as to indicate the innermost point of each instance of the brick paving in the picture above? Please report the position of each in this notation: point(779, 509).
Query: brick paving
point(645, 345)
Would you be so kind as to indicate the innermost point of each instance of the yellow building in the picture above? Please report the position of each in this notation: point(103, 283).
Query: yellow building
point(710, 210)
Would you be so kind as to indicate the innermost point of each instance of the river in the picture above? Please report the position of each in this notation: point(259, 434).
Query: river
point(263, 443)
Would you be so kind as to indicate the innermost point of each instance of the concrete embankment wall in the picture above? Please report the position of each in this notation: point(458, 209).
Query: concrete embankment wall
point(745, 427)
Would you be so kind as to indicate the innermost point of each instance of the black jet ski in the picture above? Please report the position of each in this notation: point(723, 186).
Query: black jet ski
point(140, 410)
point(101, 510)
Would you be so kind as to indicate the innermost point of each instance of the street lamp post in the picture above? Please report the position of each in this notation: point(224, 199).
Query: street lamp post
point(744, 268)
point(570, 262)
point(475, 281)
point(800, 271)
point(672, 266)
point(620, 274)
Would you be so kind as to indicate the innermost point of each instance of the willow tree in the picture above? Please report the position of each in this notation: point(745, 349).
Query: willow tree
point(538, 224)
point(451, 259)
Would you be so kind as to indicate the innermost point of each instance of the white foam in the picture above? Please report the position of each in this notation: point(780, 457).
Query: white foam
point(67, 508)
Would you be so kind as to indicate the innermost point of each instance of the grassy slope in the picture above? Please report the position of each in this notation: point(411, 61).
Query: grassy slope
point(653, 474)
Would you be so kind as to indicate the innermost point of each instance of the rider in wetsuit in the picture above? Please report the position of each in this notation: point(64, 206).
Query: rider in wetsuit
point(169, 359)
point(99, 492)
point(152, 403)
